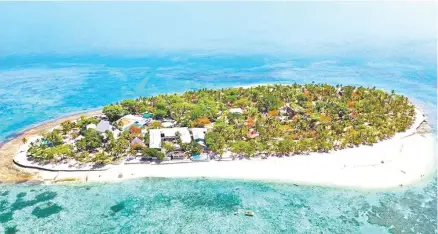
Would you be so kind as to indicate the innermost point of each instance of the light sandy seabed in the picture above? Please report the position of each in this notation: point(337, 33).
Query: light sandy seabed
point(405, 159)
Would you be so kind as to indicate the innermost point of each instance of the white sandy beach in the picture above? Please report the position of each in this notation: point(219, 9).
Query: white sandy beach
point(403, 160)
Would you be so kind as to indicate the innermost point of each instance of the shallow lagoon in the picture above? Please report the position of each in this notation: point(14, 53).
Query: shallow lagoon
point(35, 89)
point(209, 206)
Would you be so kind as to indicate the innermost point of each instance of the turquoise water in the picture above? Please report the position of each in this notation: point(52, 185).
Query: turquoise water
point(209, 206)
point(60, 58)
point(38, 88)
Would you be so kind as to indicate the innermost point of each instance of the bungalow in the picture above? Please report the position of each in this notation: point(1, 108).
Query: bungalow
point(137, 142)
point(104, 126)
point(199, 136)
point(135, 125)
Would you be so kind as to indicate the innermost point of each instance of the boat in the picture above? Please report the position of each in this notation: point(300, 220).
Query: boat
point(249, 213)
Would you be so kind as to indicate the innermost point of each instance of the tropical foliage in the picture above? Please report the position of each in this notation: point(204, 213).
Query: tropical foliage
point(275, 119)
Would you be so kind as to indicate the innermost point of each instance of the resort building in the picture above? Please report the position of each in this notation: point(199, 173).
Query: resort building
point(128, 120)
point(137, 142)
point(135, 128)
point(104, 126)
point(155, 138)
point(170, 134)
point(126, 123)
point(198, 133)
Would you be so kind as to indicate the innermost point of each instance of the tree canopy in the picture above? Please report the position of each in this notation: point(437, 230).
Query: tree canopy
point(277, 119)
point(113, 112)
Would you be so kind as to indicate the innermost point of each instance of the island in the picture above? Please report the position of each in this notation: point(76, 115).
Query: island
point(314, 124)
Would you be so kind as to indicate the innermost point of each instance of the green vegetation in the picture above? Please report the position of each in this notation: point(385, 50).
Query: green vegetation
point(92, 140)
point(192, 148)
point(167, 146)
point(215, 142)
point(113, 112)
point(277, 119)
point(84, 121)
point(153, 153)
point(49, 153)
point(53, 138)
point(67, 126)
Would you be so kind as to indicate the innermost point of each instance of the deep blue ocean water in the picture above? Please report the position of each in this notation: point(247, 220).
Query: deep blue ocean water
point(35, 89)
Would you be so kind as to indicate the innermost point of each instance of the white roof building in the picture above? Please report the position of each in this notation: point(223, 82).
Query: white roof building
point(171, 132)
point(155, 135)
point(155, 138)
point(103, 126)
point(236, 110)
point(198, 133)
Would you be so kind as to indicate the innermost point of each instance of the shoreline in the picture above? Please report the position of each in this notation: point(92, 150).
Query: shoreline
point(405, 159)
point(9, 172)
